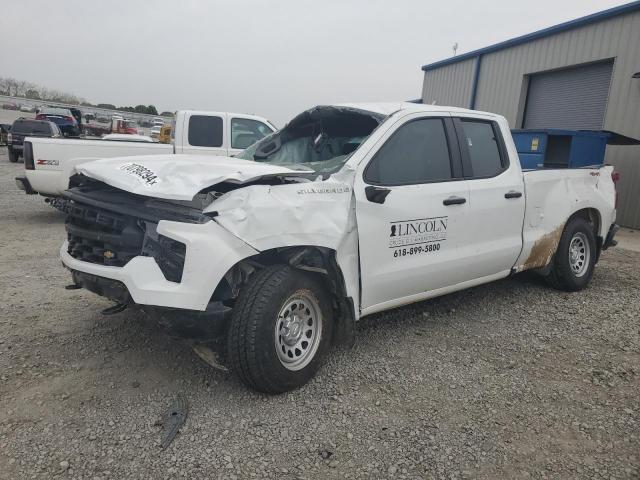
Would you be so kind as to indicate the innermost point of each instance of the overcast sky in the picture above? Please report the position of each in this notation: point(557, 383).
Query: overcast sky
point(273, 58)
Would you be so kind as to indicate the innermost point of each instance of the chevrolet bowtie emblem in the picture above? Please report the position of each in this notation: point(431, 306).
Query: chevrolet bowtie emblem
point(108, 254)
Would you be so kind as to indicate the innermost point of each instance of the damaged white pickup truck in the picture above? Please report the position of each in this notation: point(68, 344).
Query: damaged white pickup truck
point(347, 211)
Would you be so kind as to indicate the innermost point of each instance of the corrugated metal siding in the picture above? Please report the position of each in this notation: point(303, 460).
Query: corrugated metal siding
point(574, 97)
point(502, 75)
point(450, 85)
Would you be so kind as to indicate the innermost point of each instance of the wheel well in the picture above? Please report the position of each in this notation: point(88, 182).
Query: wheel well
point(320, 261)
point(591, 215)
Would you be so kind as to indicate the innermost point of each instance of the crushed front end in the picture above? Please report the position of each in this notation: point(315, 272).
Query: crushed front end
point(139, 250)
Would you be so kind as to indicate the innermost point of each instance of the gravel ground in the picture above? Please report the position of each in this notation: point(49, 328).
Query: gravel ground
point(507, 380)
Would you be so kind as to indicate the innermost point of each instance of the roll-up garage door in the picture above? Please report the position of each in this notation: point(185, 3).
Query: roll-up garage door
point(572, 98)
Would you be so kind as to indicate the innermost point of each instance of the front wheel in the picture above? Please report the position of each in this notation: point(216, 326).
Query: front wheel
point(575, 257)
point(280, 330)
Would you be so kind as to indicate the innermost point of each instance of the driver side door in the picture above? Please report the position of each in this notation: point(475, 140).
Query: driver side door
point(411, 208)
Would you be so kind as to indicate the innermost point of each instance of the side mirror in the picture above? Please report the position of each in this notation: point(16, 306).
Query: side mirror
point(376, 194)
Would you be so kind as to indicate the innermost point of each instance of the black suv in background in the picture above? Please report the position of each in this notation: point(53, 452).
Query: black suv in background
point(26, 127)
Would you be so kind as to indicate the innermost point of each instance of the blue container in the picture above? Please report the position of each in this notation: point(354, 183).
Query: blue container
point(552, 148)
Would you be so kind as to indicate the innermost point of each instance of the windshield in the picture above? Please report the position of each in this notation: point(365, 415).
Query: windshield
point(319, 140)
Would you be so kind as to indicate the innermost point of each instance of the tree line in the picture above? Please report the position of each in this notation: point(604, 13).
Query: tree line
point(21, 88)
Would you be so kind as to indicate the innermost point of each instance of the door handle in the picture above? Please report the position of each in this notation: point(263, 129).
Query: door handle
point(454, 201)
point(512, 194)
point(376, 194)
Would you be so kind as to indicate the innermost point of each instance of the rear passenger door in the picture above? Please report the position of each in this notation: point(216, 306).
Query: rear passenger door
point(203, 134)
point(411, 208)
point(496, 197)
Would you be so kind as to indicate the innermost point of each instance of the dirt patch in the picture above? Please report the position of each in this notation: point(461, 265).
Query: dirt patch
point(543, 250)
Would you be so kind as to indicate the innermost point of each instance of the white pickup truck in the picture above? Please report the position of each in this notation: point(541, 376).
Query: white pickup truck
point(347, 211)
point(49, 162)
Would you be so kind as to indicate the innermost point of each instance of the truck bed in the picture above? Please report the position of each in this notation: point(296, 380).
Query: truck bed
point(551, 196)
point(54, 158)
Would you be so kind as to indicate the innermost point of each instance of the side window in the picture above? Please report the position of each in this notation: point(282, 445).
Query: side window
point(484, 152)
point(245, 132)
point(416, 153)
point(205, 131)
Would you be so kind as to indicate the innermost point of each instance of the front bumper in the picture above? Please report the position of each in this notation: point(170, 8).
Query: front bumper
point(23, 184)
point(210, 252)
point(187, 323)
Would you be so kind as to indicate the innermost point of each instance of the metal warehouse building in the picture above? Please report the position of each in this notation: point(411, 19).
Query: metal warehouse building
point(582, 74)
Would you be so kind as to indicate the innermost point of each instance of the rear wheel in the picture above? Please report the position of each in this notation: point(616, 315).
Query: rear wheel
point(575, 257)
point(13, 156)
point(280, 330)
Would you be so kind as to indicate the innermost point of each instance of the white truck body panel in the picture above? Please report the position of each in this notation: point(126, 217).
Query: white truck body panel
point(148, 286)
point(55, 159)
point(481, 240)
point(552, 197)
point(176, 177)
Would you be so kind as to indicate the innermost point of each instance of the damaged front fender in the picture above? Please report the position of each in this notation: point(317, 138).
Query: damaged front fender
point(268, 216)
point(318, 214)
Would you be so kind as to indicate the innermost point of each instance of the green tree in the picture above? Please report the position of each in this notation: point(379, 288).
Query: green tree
point(151, 110)
point(140, 109)
point(108, 106)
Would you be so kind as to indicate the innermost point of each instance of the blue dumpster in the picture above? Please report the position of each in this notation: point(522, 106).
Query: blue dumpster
point(553, 148)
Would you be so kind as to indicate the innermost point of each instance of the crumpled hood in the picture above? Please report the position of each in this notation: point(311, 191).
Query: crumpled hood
point(177, 177)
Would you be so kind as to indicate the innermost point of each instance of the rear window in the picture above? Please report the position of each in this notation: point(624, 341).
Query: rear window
point(205, 131)
point(31, 127)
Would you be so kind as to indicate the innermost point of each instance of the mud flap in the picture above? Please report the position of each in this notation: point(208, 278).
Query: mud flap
point(345, 332)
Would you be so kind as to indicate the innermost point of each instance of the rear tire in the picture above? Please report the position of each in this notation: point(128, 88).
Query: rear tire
point(13, 156)
point(280, 330)
point(575, 257)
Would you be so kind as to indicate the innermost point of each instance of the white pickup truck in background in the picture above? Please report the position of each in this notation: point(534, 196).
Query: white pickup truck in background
point(49, 162)
point(347, 211)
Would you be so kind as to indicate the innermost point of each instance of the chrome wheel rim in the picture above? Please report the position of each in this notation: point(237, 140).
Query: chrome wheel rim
point(579, 254)
point(298, 330)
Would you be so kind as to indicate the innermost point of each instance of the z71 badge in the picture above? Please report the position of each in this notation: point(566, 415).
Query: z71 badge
point(47, 162)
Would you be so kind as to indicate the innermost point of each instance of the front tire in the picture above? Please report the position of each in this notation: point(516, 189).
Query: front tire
point(575, 257)
point(280, 330)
